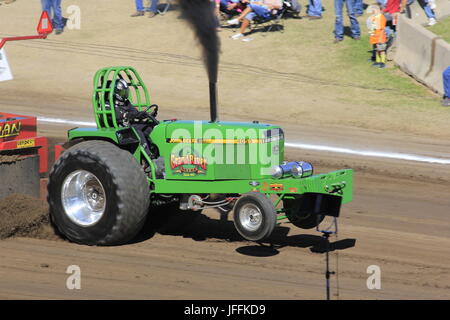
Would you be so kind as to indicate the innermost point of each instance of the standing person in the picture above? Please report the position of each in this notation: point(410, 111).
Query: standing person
point(359, 7)
point(314, 9)
point(429, 6)
point(53, 8)
point(376, 24)
point(392, 10)
point(140, 10)
point(446, 82)
point(339, 24)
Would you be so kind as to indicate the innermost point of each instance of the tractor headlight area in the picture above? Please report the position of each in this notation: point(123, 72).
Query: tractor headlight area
point(296, 169)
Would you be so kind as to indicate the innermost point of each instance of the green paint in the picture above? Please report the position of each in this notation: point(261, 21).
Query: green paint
point(202, 157)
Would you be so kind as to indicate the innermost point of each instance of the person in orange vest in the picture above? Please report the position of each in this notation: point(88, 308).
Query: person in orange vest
point(376, 24)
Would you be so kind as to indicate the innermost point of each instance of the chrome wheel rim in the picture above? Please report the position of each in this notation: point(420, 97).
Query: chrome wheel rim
point(83, 198)
point(250, 217)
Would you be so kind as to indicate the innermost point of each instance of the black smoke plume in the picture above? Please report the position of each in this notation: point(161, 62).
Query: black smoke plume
point(201, 16)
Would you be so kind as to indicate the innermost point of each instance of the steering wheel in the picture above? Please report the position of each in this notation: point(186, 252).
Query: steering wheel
point(154, 113)
point(151, 115)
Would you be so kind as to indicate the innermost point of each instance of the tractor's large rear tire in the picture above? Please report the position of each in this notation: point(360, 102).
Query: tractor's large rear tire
point(98, 194)
point(254, 216)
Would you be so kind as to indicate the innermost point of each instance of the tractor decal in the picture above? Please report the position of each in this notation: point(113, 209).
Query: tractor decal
point(188, 163)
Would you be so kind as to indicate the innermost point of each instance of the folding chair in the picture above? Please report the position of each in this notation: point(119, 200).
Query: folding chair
point(274, 20)
point(166, 7)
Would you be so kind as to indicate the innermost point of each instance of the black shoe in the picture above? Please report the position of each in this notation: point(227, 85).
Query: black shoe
point(59, 31)
point(375, 64)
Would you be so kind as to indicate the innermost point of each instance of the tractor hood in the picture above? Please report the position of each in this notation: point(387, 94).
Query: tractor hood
point(202, 150)
point(217, 131)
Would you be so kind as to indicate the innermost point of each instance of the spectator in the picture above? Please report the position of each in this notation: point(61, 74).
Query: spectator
point(314, 9)
point(230, 7)
point(261, 8)
point(392, 9)
point(359, 7)
point(376, 24)
point(140, 10)
point(53, 8)
point(339, 24)
point(446, 82)
point(429, 6)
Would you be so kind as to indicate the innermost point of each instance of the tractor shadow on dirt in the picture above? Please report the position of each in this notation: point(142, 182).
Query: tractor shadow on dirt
point(199, 227)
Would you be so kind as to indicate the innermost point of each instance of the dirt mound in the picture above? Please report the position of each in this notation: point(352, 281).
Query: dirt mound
point(25, 216)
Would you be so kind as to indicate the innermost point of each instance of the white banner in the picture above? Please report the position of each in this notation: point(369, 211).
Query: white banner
point(5, 71)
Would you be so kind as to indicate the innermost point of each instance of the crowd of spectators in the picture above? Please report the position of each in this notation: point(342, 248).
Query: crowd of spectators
point(381, 22)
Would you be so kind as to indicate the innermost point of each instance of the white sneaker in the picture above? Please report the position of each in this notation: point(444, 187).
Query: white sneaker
point(237, 36)
point(233, 22)
point(432, 4)
point(432, 21)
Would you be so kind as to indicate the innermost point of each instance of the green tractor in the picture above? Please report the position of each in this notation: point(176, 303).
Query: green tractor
point(104, 186)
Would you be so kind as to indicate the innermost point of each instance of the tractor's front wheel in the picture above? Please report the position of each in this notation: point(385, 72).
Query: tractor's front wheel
point(254, 216)
point(98, 194)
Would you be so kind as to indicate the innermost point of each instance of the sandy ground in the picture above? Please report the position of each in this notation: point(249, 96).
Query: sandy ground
point(399, 216)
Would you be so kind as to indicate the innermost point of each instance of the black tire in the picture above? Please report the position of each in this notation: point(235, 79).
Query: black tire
point(123, 185)
point(300, 213)
point(258, 227)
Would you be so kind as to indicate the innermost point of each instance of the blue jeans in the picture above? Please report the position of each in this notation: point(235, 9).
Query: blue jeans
point(339, 24)
point(428, 11)
point(315, 8)
point(446, 82)
point(358, 6)
point(153, 7)
point(53, 8)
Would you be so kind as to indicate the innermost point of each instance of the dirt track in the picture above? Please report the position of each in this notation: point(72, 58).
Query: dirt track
point(398, 224)
point(399, 216)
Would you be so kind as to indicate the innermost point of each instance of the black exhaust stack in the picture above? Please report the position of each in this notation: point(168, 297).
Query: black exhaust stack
point(213, 101)
point(200, 14)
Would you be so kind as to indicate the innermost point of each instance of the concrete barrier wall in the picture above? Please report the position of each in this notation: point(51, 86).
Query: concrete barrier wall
point(421, 53)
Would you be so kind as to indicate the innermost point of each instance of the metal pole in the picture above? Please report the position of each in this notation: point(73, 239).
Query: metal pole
point(4, 40)
point(327, 274)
